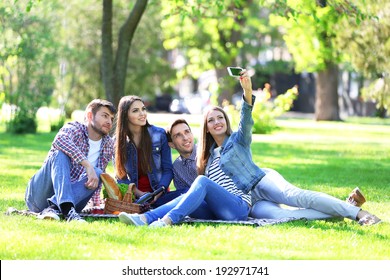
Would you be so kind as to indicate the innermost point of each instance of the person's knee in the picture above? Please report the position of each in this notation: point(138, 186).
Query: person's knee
point(266, 210)
point(59, 157)
point(200, 183)
point(200, 180)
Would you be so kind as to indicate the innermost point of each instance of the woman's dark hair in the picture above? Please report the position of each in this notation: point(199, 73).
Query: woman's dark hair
point(123, 135)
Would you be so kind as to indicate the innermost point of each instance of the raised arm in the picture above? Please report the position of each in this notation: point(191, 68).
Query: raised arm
point(246, 85)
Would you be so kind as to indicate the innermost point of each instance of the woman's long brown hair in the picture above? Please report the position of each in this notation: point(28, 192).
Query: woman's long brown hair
point(123, 135)
point(206, 140)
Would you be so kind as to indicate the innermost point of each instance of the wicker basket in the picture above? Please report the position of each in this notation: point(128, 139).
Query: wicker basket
point(112, 206)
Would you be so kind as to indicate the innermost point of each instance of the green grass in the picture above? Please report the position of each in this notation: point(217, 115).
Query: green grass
point(326, 156)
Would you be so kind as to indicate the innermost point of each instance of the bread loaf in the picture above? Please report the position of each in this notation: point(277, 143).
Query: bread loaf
point(112, 188)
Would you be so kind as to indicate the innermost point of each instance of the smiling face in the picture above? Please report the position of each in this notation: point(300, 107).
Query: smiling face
point(182, 139)
point(137, 114)
point(216, 124)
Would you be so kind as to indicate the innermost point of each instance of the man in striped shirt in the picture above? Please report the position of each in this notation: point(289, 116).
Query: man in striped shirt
point(70, 174)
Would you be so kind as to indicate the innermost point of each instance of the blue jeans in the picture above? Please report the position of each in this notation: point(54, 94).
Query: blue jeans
point(204, 200)
point(168, 197)
point(273, 190)
point(52, 185)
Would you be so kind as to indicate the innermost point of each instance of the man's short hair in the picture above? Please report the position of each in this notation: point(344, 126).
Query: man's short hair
point(168, 130)
point(95, 105)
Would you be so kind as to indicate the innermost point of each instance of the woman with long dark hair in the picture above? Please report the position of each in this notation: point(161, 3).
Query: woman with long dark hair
point(142, 153)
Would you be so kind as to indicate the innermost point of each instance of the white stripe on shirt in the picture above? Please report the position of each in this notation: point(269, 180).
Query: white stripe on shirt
point(217, 175)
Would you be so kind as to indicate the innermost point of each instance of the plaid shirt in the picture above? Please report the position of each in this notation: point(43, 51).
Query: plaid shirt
point(72, 139)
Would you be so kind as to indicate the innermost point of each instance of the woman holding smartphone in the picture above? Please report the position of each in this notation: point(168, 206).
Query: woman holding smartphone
point(267, 187)
point(227, 175)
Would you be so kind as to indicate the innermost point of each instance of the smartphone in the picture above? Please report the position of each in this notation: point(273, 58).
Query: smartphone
point(234, 71)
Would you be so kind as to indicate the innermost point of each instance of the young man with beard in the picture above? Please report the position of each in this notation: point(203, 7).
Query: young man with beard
point(70, 174)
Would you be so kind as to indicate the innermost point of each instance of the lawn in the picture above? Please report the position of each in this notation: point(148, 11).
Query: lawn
point(331, 157)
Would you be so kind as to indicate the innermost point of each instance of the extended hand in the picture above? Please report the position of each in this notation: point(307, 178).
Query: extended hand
point(93, 180)
point(246, 85)
point(245, 81)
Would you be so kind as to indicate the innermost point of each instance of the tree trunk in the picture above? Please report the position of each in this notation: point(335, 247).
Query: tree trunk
point(114, 73)
point(107, 56)
point(327, 99)
point(125, 37)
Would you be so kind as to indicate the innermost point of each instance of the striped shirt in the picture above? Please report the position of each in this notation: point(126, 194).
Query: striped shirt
point(216, 174)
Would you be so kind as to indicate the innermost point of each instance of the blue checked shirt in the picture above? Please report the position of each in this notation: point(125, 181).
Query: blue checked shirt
point(184, 171)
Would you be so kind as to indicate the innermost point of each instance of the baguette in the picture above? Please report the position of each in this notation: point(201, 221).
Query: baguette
point(112, 188)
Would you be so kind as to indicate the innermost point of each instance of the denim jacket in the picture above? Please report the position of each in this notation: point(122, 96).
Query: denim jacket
point(236, 155)
point(162, 169)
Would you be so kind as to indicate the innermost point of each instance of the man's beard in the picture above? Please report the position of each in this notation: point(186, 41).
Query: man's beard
point(98, 130)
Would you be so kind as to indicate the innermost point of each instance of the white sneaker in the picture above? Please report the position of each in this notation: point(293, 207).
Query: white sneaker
point(49, 214)
point(131, 219)
point(158, 223)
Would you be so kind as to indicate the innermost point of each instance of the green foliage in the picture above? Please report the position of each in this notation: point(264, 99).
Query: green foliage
point(265, 110)
point(379, 91)
point(122, 187)
point(310, 28)
point(2, 98)
point(365, 47)
point(56, 125)
point(27, 60)
point(22, 123)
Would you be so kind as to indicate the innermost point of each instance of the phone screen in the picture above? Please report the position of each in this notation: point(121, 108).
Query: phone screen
point(234, 71)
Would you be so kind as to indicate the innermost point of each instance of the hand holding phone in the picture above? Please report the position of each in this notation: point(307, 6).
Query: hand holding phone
point(235, 71)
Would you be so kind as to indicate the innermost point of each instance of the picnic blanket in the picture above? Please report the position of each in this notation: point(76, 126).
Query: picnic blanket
point(189, 220)
point(249, 221)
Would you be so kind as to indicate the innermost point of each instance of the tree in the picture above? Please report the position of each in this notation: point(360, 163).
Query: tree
point(366, 47)
point(214, 35)
point(310, 31)
point(114, 69)
point(208, 34)
point(83, 65)
point(27, 62)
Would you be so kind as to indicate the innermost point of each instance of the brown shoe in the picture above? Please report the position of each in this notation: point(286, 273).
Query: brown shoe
point(356, 198)
point(368, 219)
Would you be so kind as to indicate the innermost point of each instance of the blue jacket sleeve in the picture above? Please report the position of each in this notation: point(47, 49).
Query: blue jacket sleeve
point(244, 131)
point(166, 163)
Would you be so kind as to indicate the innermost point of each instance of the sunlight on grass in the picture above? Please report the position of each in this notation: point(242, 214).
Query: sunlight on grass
point(327, 157)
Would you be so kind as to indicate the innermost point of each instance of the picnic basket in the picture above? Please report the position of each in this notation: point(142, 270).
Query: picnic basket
point(114, 203)
point(113, 206)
